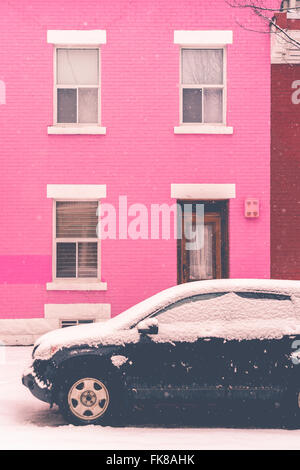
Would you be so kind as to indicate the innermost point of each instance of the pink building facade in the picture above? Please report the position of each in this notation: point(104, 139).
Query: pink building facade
point(155, 101)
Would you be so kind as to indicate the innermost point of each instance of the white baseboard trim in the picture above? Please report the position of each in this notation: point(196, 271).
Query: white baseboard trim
point(17, 331)
point(18, 340)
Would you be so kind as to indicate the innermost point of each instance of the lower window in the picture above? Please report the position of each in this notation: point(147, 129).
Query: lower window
point(66, 323)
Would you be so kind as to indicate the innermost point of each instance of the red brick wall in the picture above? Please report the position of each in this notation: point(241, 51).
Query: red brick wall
point(285, 174)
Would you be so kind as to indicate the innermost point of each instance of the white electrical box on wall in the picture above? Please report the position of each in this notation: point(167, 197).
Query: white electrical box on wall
point(252, 208)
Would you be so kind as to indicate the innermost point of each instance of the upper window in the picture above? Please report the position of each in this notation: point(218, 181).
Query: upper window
point(77, 86)
point(294, 4)
point(202, 86)
point(294, 9)
point(76, 245)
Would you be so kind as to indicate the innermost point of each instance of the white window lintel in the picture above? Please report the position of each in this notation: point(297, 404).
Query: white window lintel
point(76, 191)
point(201, 38)
point(76, 37)
point(203, 191)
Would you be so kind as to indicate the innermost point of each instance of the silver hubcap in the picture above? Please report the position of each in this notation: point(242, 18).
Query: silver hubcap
point(88, 399)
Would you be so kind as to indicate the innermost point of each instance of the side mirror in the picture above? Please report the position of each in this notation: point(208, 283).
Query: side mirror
point(148, 326)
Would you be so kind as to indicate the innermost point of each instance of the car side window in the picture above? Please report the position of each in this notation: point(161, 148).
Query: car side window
point(228, 306)
point(268, 307)
point(262, 295)
point(193, 309)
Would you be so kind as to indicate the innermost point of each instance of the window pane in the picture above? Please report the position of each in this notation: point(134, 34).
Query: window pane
point(201, 261)
point(77, 66)
point(192, 105)
point(66, 105)
point(263, 295)
point(76, 219)
point(202, 66)
point(66, 260)
point(88, 105)
point(213, 105)
point(87, 259)
point(199, 308)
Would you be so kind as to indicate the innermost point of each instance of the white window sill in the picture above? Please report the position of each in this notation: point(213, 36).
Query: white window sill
point(76, 285)
point(95, 130)
point(203, 129)
point(293, 15)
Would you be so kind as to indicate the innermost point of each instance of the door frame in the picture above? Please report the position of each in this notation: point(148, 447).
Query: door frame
point(210, 206)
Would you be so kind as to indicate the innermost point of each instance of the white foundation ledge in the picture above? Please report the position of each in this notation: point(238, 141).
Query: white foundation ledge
point(77, 285)
point(203, 129)
point(84, 130)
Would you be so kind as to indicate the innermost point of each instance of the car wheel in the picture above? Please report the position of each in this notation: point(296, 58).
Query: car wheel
point(89, 399)
point(291, 410)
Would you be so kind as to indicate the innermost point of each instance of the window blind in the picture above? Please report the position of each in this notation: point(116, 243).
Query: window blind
point(76, 219)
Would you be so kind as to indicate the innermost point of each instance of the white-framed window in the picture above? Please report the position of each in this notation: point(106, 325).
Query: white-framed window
point(76, 242)
point(66, 323)
point(77, 81)
point(294, 4)
point(76, 247)
point(202, 81)
point(294, 9)
point(203, 85)
point(76, 86)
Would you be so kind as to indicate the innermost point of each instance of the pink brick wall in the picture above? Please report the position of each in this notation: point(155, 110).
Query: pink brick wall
point(139, 157)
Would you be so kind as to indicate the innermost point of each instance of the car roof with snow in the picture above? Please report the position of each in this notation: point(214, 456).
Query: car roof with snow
point(189, 289)
point(181, 291)
point(238, 285)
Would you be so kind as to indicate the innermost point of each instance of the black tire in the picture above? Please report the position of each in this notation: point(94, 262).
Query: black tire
point(88, 386)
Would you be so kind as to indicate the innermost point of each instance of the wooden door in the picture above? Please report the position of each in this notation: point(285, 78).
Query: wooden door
point(208, 261)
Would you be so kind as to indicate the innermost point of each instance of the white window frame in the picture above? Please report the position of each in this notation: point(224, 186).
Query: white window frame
point(73, 240)
point(75, 192)
point(202, 86)
point(56, 87)
point(292, 13)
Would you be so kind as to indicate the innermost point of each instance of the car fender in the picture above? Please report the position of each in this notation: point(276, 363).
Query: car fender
point(67, 359)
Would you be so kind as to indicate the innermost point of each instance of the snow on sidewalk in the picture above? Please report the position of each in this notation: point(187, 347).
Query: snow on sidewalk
point(27, 423)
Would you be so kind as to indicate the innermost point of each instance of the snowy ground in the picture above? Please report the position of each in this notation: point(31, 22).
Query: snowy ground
point(26, 423)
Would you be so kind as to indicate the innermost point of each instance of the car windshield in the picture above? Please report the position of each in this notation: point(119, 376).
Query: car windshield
point(130, 317)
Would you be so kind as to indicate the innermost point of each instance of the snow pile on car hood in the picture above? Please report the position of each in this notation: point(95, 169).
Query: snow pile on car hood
point(91, 335)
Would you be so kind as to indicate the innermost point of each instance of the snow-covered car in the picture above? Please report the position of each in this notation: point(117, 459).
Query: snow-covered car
point(207, 340)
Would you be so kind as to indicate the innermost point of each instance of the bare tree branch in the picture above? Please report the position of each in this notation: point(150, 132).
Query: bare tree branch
point(252, 5)
point(258, 8)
